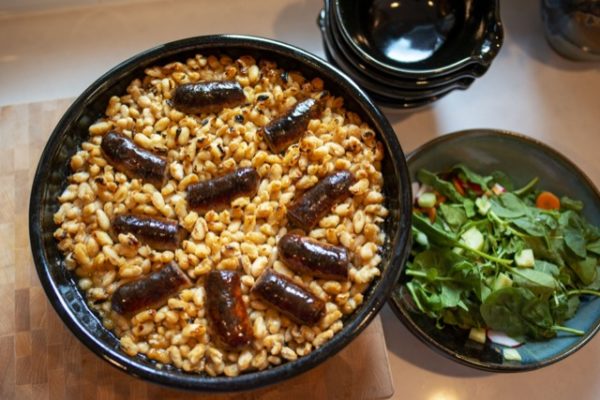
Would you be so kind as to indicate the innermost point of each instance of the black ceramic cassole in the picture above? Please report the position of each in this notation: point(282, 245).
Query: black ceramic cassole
point(72, 129)
point(357, 66)
point(452, 342)
point(381, 90)
point(462, 47)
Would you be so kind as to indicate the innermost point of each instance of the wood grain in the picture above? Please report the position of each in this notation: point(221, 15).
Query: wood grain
point(41, 359)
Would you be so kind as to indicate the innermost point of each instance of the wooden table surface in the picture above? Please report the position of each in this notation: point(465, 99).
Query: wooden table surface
point(41, 359)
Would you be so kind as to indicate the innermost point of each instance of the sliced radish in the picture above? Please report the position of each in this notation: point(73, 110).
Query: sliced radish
point(498, 189)
point(502, 338)
point(415, 189)
point(423, 189)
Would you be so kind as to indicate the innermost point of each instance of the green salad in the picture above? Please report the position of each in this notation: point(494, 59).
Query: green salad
point(489, 256)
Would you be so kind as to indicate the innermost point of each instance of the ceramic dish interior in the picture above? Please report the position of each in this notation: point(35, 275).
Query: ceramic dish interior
point(53, 168)
point(375, 82)
point(420, 38)
point(359, 67)
point(486, 151)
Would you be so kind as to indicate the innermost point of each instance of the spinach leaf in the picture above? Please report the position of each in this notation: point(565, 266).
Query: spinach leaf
point(530, 226)
point(518, 312)
point(547, 267)
point(585, 269)
point(563, 307)
point(538, 319)
point(502, 310)
point(454, 216)
point(471, 176)
point(444, 187)
point(537, 281)
point(594, 247)
point(573, 231)
point(507, 205)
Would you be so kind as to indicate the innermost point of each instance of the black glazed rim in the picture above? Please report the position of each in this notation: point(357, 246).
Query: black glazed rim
point(398, 240)
point(376, 84)
point(404, 316)
point(494, 36)
point(471, 70)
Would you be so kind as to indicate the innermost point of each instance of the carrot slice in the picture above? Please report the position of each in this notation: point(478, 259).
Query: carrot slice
point(459, 188)
point(547, 201)
point(431, 213)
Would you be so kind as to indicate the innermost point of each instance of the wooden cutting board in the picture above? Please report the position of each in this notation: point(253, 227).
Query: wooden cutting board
point(41, 359)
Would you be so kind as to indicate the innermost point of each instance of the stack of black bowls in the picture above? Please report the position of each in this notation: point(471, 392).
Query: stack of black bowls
point(409, 53)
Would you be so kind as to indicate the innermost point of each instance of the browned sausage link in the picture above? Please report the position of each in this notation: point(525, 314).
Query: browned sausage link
point(149, 292)
point(133, 161)
point(217, 193)
point(283, 131)
point(208, 97)
point(307, 256)
point(226, 309)
point(158, 233)
point(289, 298)
point(316, 202)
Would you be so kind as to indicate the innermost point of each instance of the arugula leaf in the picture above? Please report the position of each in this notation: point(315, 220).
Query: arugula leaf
point(434, 233)
point(469, 206)
point(471, 176)
point(444, 187)
point(566, 203)
point(450, 295)
point(507, 205)
point(454, 216)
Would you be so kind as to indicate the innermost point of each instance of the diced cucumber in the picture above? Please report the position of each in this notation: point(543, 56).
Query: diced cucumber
point(483, 205)
point(502, 281)
point(426, 200)
point(525, 258)
point(473, 238)
point(511, 355)
point(421, 238)
point(477, 335)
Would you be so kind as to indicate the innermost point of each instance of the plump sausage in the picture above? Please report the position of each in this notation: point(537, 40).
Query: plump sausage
point(307, 256)
point(226, 309)
point(289, 298)
point(135, 162)
point(158, 233)
point(208, 97)
point(287, 129)
point(217, 193)
point(316, 202)
point(150, 291)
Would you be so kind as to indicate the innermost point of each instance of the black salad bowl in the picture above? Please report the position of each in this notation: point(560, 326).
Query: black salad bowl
point(53, 169)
